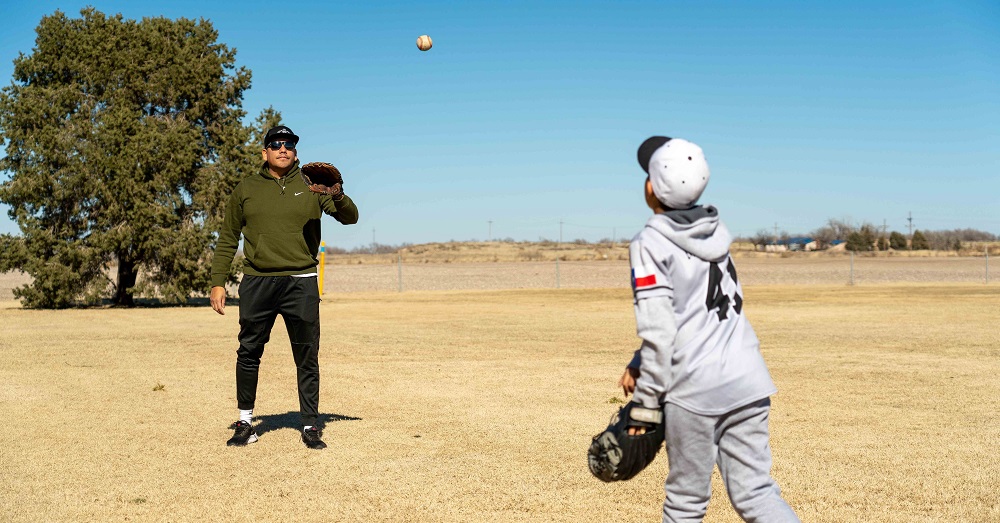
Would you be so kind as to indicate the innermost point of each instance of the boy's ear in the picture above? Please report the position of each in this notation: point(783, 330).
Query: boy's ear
point(651, 200)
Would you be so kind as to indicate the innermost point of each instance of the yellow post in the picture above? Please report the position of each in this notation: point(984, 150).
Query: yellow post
point(322, 264)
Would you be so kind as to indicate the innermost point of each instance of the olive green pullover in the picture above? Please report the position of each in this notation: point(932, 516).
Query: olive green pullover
point(279, 219)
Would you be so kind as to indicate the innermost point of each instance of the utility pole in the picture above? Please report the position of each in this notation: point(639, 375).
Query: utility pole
point(884, 237)
point(491, 230)
point(910, 219)
point(373, 240)
point(560, 232)
point(776, 234)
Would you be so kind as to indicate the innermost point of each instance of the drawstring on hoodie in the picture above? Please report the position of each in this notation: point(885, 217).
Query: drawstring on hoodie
point(280, 181)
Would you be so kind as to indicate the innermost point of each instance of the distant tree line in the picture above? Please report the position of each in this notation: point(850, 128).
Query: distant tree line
point(867, 237)
point(373, 248)
point(383, 248)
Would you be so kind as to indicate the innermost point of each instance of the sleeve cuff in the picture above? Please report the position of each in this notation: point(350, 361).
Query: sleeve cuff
point(636, 360)
point(647, 400)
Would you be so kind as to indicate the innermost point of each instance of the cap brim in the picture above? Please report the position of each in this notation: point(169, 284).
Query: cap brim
point(281, 136)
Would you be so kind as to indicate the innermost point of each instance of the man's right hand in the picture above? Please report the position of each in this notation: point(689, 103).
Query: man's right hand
point(218, 299)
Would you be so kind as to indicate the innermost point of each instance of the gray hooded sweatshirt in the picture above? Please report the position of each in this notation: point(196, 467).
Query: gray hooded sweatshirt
point(698, 349)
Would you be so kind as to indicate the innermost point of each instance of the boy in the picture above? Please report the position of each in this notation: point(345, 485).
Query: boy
point(699, 360)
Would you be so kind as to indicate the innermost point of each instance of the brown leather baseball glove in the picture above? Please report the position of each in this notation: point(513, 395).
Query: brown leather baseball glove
point(323, 178)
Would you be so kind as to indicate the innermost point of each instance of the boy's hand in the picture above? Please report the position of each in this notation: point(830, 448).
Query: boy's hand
point(627, 381)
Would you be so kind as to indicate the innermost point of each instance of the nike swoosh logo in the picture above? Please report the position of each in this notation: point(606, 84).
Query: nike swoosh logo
point(298, 193)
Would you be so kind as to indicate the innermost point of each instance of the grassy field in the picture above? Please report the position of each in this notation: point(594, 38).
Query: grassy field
point(476, 405)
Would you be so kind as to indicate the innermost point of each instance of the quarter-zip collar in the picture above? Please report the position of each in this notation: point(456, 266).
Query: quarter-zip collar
point(284, 180)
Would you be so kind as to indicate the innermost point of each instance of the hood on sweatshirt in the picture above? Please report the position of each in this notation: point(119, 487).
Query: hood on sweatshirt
point(697, 230)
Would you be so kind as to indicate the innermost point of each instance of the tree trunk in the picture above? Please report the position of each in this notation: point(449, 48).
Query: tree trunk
point(127, 274)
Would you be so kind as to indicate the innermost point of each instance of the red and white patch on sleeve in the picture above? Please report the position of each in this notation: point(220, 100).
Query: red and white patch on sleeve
point(643, 277)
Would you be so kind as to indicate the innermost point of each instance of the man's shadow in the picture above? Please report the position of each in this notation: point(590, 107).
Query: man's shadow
point(291, 420)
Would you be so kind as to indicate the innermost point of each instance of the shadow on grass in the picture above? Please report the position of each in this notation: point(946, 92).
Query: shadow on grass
point(138, 303)
point(291, 420)
point(156, 303)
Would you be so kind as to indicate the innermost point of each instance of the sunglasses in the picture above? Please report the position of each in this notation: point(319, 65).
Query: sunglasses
point(275, 146)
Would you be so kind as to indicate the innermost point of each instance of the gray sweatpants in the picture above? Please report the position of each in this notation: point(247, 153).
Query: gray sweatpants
point(738, 442)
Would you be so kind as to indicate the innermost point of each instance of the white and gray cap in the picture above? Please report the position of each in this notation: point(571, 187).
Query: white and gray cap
point(677, 170)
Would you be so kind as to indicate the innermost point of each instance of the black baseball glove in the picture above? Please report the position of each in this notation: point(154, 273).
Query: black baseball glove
point(616, 456)
point(323, 178)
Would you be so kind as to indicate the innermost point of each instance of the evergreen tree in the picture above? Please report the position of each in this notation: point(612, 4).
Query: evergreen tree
point(897, 241)
point(124, 140)
point(861, 240)
point(920, 241)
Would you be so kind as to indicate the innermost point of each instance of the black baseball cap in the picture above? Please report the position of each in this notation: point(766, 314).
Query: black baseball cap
point(280, 132)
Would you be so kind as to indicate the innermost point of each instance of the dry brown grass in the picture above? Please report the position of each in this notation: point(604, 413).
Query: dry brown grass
point(475, 405)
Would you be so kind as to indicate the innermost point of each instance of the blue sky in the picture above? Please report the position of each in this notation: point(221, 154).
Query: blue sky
point(528, 114)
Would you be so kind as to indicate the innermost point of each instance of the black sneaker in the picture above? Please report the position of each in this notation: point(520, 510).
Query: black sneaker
point(311, 437)
point(243, 436)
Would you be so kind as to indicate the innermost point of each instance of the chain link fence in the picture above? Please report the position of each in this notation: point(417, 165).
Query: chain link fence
point(793, 269)
point(778, 270)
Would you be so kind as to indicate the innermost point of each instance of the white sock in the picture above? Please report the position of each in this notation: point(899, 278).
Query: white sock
point(307, 427)
point(246, 415)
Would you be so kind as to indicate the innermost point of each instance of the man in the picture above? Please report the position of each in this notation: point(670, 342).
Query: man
point(279, 219)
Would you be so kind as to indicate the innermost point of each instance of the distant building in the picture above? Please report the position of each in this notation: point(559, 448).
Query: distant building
point(801, 243)
point(837, 246)
point(796, 243)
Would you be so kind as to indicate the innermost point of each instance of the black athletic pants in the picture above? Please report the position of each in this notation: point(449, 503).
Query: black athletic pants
point(262, 299)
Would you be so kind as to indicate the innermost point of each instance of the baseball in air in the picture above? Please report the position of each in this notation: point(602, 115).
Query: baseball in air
point(424, 42)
